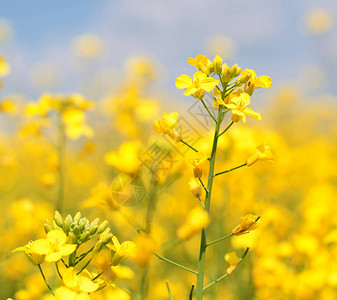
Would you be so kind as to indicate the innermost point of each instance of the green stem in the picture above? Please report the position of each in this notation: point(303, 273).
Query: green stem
point(203, 103)
point(175, 264)
point(219, 240)
point(202, 203)
point(45, 281)
point(202, 184)
point(80, 271)
point(168, 290)
point(143, 283)
point(202, 252)
point(191, 292)
point(189, 146)
point(226, 274)
point(58, 271)
point(229, 126)
point(82, 256)
point(61, 160)
point(217, 174)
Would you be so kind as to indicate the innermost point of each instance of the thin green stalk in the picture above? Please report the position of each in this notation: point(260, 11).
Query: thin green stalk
point(175, 264)
point(45, 281)
point(61, 144)
point(202, 252)
point(189, 146)
point(82, 256)
point(144, 283)
point(168, 290)
point(202, 203)
point(217, 174)
point(88, 262)
point(219, 240)
point(191, 292)
point(58, 271)
point(226, 274)
point(229, 126)
point(203, 103)
point(202, 184)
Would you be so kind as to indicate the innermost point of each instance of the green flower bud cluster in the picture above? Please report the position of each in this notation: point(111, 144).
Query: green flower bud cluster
point(78, 229)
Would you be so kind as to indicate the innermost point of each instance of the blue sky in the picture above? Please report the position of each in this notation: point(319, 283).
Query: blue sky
point(265, 32)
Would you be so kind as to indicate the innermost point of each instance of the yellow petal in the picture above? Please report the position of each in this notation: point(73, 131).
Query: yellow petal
point(57, 236)
point(67, 249)
point(249, 112)
point(183, 81)
point(41, 246)
point(208, 84)
point(53, 257)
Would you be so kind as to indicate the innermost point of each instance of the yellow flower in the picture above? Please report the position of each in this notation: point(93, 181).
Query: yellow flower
point(202, 63)
point(36, 259)
point(9, 107)
point(168, 125)
point(247, 223)
point(4, 67)
point(200, 81)
point(253, 82)
point(233, 260)
point(319, 21)
point(195, 187)
point(128, 154)
point(263, 152)
point(122, 251)
point(196, 220)
point(198, 163)
point(217, 64)
point(54, 247)
point(240, 110)
point(77, 287)
point(145, 247)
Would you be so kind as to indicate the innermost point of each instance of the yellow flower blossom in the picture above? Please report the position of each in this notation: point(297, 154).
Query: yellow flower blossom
point(202, 63)
point(240, 110)
point(253, 82)
point(233, 260)
point(198, 163)
point(145, 247)
point(247, 223)
point(200, 82)
point(101, 196)
point(35, 258)
point(195, 187)
point(4, 67)
point(168, 125)
point(128, 154)
point(8, 106)
point(122, 251)
point(319, 21)
point(54, 247)
point(263, 152)
point(77, 287)
point(196, 220)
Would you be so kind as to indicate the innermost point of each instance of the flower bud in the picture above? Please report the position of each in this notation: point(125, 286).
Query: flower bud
point(66, 226)
point(47, 227)
point(55, 226)
point(102, 227)
point(226, 73)
point(84, 237)
point(217, 64)
point(77, 217)
point(71, 238)
point(195, 187)
point(93, 226)
point(58, 219)
point(235, 71)
point(69, 218)
point(97, 248)
point(203, 68)
point(107, 238)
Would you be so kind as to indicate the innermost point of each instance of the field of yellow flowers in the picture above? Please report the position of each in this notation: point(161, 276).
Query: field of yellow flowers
point(130, 197)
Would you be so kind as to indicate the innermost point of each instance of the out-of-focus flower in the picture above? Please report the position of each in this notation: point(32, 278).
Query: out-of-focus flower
point(195, 187)
point(88, 46)
point(318, 21)
point(263, 152)
point(35, 258)
point(8, 106)
point(222, 45)
point(122, 251)
point(233, 260)
point(240, 110)
point(247, 223)
point(76, 286)
point(168, 125)
point(54, 247)
point(4, 67)
point(200, 82)
point(128, 153)
point(48, 179)
point(196, 220)
point(145, 247)
point(198, 163)
point(101, 196)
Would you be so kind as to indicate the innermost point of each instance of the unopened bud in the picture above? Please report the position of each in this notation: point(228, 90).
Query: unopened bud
point(55, 226)
point(58, 219)
point(235, 71)
point(102, 227)
point(84, 237)
point(47, 227)
point(69, 218)
point(226, 73)
point(107, 238)
point(71, 238)
point(97, 248)
point(66, 226)
point(93, 229)
point(77, 217)
point(217, 62)
point(203, 69)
